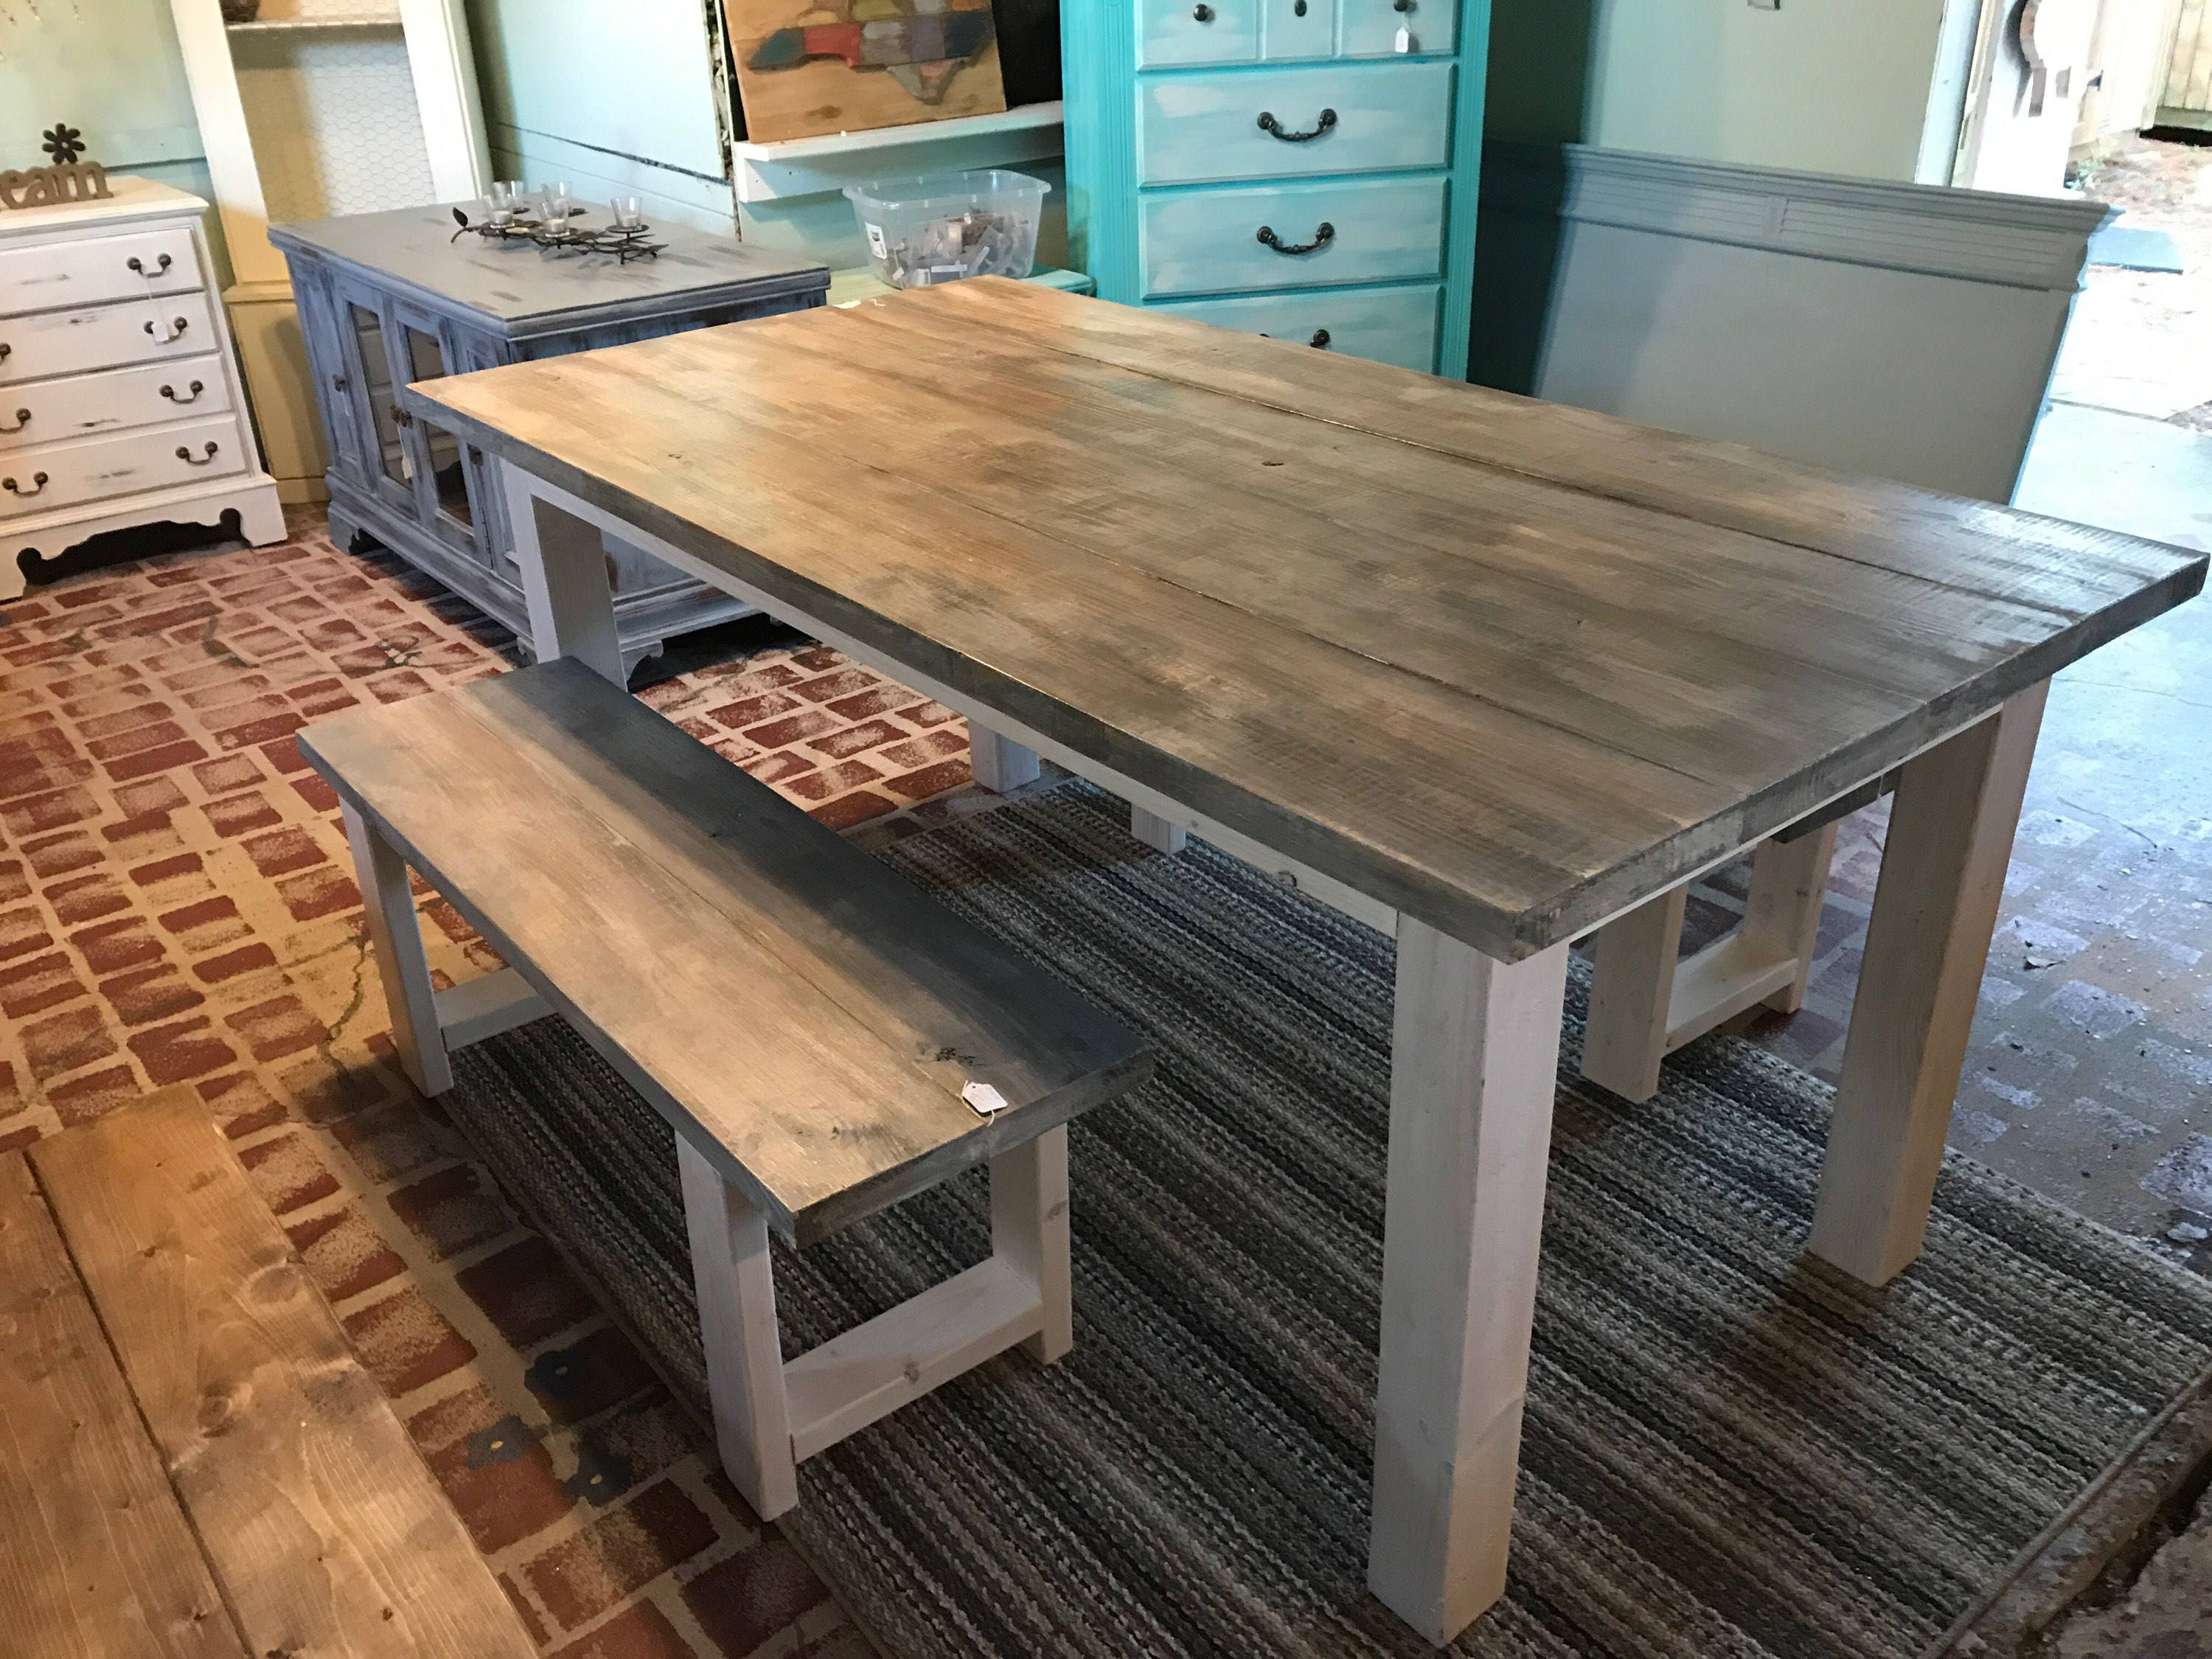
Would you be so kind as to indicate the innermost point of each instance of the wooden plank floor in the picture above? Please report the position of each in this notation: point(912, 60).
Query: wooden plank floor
point(191, 1461)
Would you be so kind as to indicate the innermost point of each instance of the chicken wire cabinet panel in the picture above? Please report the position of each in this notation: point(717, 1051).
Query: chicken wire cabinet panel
point(120, 403)
point(386, 300)
point(317, 108)
point(1300, 169)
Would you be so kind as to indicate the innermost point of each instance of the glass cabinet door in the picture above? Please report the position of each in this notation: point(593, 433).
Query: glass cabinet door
point(451, 477)
point(364, 335)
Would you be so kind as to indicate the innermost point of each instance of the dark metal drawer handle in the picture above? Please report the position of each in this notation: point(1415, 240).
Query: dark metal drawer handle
point(23, 420)
point(38, 483)
point(1319, 342)
point(189, 460)
point(401, 417)
point(177, 329)
point(1268, 123)
point(1203, 12)
point(161, 265)
point(6, 351)
point(170, 392)
point(1324, 233)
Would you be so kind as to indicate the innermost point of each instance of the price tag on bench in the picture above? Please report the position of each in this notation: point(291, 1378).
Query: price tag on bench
point(984, 1098)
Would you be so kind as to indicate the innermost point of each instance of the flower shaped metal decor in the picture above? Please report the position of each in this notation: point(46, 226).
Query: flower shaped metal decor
point(63, 142)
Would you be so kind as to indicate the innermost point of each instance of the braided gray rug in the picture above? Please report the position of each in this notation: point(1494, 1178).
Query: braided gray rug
point(1729, 1451)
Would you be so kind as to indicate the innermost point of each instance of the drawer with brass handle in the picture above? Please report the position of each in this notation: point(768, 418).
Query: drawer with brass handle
point(96, 270)
point(112, 400)
point(52, 476)
point(49, 342)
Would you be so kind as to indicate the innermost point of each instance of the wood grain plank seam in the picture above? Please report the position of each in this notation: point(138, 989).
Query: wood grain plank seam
point(138, 1411)
point(1583, 488)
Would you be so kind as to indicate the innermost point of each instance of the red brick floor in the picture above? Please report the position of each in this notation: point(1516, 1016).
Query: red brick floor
point(176, 905)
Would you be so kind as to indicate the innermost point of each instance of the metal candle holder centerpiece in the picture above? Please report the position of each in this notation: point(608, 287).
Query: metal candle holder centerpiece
point(551, 234)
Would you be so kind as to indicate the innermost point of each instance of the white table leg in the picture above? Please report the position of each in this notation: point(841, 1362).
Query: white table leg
point(1000, 765)
point(1029, 1232)
point(564, 580)
point(1474, 1052)
point(1942, 875)
point(1155, 831)
point(1631, 993)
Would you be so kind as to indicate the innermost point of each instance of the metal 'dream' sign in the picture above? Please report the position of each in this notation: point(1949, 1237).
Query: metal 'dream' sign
point(69, 180)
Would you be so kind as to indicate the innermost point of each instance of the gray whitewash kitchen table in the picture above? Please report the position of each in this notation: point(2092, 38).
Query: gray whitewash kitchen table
point(1486, 672)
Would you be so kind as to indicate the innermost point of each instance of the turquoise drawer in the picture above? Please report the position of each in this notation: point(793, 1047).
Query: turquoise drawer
point(1369, 28)
point(1355, 230)
point(1366, 118)
point(1297, 28)
point(1386, 324)
point(1171, 32)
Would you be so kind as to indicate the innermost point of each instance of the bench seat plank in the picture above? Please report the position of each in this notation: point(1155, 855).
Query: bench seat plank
point(325, 1532)
point(806, 1017)
point(95, 1557)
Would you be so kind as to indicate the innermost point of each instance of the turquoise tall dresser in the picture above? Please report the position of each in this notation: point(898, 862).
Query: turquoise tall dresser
point(1302, 168)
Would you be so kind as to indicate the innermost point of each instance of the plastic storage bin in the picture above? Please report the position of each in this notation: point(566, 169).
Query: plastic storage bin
point(923, 231)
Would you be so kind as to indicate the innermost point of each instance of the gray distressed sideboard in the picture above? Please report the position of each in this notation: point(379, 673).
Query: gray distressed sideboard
point(388, 300)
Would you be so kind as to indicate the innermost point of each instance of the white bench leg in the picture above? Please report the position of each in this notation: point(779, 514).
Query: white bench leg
point(1029, 1232)
point(1155, 831)
point(1000, 765)
point(1781, 913)
point(735, 1287)
point(395, 940)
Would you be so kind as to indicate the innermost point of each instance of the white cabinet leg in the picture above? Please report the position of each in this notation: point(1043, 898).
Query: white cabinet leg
point(1475, 1051)
point(395, 940)
point(564, 580)
point(1000, 766)
point(1029, 1231)
point(1782, 913)
point(1631, 995)
point(1155, 831)
point(736, 1288)
point(1942, 875)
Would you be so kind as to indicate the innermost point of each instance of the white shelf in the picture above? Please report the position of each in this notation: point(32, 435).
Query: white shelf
point(313, 25)
point(815, 167)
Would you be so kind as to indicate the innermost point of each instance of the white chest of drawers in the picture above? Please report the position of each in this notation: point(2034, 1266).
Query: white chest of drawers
point(119, 399)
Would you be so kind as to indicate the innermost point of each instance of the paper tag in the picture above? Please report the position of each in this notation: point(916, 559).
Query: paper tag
point(1405, 40)
point(876, 242)
point(984, 1098)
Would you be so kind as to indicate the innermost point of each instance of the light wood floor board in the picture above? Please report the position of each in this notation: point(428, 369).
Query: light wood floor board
point(96, 1559)
point(1507, 667)
point(323, 1528)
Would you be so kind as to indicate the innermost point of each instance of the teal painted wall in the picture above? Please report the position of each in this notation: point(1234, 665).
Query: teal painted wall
point(112, 68)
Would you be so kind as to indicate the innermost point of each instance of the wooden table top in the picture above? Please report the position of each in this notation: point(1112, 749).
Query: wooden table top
point(1508, 666)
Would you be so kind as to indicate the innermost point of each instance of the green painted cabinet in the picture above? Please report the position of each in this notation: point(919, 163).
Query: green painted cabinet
point(1302, 168)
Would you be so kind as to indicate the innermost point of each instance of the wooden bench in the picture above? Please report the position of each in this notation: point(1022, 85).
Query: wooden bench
point(192, 1463)
point(823, 1039)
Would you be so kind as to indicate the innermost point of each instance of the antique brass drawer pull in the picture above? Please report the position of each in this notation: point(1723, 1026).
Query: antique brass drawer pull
point(170, 392)
point(177, 328)
point(1324, 233)
point(190, 460)
point(161, 265)
point(6, 351)
point(38, 484)
point(1268, 123)
point(23, 420)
